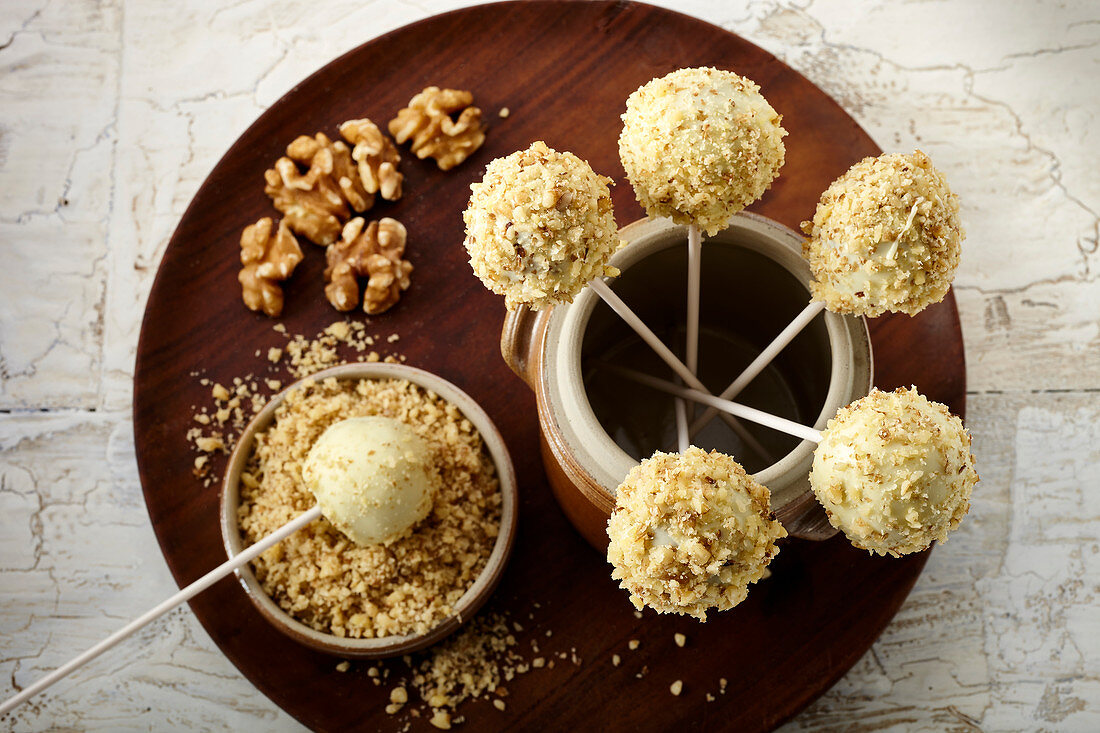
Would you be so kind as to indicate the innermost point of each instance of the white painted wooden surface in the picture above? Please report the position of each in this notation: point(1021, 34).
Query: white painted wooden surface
point(112, 113)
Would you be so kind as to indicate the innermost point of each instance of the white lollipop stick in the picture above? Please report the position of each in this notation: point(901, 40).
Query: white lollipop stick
point(695, 253)
point(190, 591)
point(683, 440)
point(691, 356)
point(623, 310)
point(751, 414)
point(766, 356)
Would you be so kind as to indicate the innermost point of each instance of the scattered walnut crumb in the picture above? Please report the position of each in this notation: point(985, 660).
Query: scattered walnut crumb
point(219, 393)
point(538, 662)
point(210, 444)
point(399, 695)
point(680, 639)
point(441, 719)
point(637, 614)
point(343, 666)
point(616, 660)
point(499, 704)
point(676, 687)
point(392, 338)
point(710, 697)
point(722, 685)
point(504, 112)
point(633, 644)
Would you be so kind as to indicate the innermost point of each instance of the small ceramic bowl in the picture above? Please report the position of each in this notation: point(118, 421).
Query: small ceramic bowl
point(754, 281)
point(475, 596)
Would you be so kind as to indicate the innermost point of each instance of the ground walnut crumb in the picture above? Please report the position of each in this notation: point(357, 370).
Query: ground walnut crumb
point(320, 577)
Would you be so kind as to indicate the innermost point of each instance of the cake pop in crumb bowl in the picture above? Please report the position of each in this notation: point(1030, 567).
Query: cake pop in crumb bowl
point(414, 585)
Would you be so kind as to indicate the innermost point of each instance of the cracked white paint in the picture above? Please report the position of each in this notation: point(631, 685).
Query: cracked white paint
point(113, 112)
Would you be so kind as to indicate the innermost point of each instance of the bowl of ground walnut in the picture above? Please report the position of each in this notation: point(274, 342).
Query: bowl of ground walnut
point(375, 601)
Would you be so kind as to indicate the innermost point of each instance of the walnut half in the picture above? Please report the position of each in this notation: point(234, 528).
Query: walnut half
point(315, 203)
point(427, 121)
point(373, 252)
point(267, 260)
point(376, 156)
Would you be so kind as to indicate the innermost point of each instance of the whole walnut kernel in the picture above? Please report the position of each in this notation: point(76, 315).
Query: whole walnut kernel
point(428, 122)
point(267, 260)
point(376, 156)
point(374, 252)
point(316, 202)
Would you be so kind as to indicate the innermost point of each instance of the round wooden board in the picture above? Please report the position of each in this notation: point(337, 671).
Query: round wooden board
point(564, 71)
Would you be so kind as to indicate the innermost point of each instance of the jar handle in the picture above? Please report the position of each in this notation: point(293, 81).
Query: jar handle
point(517, 340)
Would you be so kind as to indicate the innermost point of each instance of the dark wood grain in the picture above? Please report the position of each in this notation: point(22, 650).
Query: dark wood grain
point(564, 71)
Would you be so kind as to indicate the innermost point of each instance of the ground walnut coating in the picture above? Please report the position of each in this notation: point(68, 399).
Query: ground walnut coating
point(894, 472)
point(699, 145)
point(318, 575)
point(885, 237)
point(539, 227)
point(690, 532)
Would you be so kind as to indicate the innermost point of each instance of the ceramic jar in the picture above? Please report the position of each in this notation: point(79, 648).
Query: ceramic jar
point(595, 425)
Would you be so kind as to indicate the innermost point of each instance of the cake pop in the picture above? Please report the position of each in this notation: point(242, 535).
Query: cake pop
point(885, 237)
point(690, 532)
point(894, 472)
point(699, 145)
point(373, 477)
point(539, 227)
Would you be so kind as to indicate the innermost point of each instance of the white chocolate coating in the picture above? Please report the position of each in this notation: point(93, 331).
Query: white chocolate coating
point(894, 472)
point(699, 145)
point(690, 532)
point(373, 478)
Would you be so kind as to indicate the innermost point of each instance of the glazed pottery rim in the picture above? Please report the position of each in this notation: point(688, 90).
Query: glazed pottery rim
point(569, 323)
point(474, 597)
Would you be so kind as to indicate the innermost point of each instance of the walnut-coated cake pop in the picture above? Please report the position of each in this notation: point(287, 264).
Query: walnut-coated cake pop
point(885, 237)
point(690, 532)
point(894, 472)
point(699, 145)
point(539, 227)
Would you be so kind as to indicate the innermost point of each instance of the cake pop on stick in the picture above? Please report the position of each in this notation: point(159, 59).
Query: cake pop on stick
point(699, 145)
point(894, 472)
point(539, 228)
point(373, 478)
point(886, 236)
point(690, 532)
point(893, 469)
